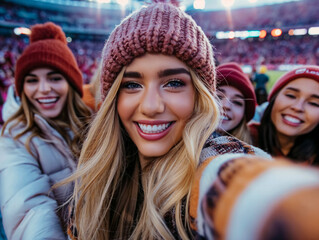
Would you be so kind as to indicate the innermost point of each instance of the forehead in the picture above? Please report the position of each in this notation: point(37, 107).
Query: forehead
point(229, 90)
point(304, 85)
point(43, 70)
point(153, 61)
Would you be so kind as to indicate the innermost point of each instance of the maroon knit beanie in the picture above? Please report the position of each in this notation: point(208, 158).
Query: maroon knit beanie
point(311, 72)
point(48, 48)
point(231, 74)
point(158, 28)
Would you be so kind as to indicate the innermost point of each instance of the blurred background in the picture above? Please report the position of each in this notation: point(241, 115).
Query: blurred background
point(276, 35)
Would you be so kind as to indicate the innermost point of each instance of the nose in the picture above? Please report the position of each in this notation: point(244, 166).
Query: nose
point(44, 86)
point(152, 102)
point(226, 104)
point(298, 105)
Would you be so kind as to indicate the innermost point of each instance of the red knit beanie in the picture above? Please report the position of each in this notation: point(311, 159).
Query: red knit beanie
point(231, 74)
point(311, 72)
point(158, 28)
point(48, 48)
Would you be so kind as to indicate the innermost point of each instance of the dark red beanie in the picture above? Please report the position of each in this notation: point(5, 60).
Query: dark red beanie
point(231, 74)
point(311, 72)
point(48, 48)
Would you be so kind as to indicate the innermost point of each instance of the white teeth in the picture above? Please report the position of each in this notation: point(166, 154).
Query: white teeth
point(153, 128)
point(292, 119)
point(47, 100)
point(225, 118)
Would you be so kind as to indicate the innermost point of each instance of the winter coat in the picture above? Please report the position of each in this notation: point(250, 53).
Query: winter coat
point(28, 204)
point(11, 105)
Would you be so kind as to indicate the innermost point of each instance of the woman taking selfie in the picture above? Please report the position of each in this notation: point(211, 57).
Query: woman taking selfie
point(41, 141)
point(137, 165)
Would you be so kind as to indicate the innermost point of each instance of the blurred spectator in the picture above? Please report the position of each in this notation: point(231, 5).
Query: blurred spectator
point(261, 79)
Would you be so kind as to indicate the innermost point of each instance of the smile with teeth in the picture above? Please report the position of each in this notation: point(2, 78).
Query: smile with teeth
point(225, 118)
point(153, 128)
point(47, 100)
point(292, 119)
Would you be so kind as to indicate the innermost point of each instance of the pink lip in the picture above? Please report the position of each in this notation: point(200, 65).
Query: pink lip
point(153, 136)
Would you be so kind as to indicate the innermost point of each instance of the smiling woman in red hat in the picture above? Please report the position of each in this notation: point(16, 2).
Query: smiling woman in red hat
point(290, 124)
point(40, 143)
point(238, 100)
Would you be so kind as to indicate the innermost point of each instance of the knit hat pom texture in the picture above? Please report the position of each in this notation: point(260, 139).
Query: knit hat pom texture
point(159, 28)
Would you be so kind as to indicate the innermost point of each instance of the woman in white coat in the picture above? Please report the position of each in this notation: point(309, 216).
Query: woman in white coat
point(41, 141)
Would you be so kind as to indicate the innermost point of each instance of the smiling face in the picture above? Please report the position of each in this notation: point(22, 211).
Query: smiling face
point(233, 107)
point(47, 91)
point(296, 108)
point(155, 101)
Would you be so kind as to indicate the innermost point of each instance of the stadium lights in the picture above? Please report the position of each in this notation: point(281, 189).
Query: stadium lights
point(22, 30)
point(297, 32)
point(123, 3)
point(262, 34)
point(276, 32)
point(228, 3)
point(237, 34)
point(313, 31)
point(199, 4)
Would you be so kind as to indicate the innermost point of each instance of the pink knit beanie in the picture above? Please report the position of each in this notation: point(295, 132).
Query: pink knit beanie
point(158, 28)
point(48, 48)
point(231, 74)
point(311, 72)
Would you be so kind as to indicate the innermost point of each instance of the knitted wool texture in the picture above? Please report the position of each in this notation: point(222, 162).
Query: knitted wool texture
point(311, 72)
point(231, 74)
point(48, 49)
point(159, 28)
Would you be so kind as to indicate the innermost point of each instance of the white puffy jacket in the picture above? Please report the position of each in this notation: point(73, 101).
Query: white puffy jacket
point(28, 204)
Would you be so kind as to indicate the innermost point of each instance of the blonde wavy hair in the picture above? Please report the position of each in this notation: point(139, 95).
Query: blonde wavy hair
point(114, 199)
point(75, 116)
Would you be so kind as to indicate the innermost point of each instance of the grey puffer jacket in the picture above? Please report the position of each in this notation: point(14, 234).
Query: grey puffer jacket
point(30, 208)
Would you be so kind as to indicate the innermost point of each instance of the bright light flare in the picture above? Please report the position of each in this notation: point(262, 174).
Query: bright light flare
point(313, 31)
point(263, 34)
point(123, 3)
point(276, 32)
point(21, 30)
point(228, 3)
point(199, 4)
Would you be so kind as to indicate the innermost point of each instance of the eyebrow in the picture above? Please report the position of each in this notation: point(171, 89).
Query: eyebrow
point(173, 71)
point(132, 75)
point(163, 73)
point(297, 90)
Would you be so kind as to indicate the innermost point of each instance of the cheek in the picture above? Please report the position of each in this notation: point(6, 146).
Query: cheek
point(28, 90)
point(182, 107)
point(123, 106)
point(239, 112)
point(275, 111)
point(314, 117)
